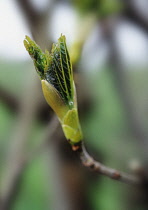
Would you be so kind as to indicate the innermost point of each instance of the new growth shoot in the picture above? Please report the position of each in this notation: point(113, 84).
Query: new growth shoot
point(55, 72)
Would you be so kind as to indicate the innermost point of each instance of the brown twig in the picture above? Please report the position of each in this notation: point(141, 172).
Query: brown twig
point(88, 161)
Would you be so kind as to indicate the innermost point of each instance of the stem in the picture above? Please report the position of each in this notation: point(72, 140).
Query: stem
point(88, 161)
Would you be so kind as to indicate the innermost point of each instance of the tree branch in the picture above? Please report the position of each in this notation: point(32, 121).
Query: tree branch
point(32, 15)
point(132, 12)
point(38, 21)
point(108, 31)
point(89, 162)
point(9, 99)
point(13, 104)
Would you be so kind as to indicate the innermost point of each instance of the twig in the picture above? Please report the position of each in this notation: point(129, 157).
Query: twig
point(88, 161)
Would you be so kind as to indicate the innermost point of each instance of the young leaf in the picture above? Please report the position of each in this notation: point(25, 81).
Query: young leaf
point(55, 71)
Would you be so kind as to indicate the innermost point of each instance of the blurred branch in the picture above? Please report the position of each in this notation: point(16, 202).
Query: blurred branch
point(9, 99)
point(38, 21)
point(136, 16)
point(30, 102)
point(13, 103)
point(13, 187)
point(28, 109)
point(30, 12)
point(108, 30)
point(96, 166)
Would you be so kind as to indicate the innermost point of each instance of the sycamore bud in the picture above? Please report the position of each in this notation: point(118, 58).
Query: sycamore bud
point(55, 72)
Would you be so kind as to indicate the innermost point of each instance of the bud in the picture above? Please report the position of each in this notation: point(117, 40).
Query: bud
point(55, 72)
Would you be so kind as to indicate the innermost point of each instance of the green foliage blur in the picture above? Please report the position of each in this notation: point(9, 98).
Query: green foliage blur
point(101, 8)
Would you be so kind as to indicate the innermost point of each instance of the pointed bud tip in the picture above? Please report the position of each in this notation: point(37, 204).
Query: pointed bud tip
point(62, 38)
point(27, 42)
point(28, 38)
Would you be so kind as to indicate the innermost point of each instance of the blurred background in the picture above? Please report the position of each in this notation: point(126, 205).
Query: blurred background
point(108, 44)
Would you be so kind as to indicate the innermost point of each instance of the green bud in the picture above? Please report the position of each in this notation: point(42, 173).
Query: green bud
point(55, 72)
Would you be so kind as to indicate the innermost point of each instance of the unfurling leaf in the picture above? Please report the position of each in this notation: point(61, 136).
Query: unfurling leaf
point(55, 72)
